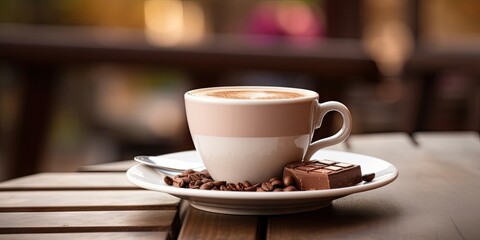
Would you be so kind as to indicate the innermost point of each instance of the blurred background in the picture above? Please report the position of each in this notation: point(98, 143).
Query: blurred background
point(85, 82)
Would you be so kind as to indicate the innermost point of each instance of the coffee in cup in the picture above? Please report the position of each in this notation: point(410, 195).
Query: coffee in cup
point(252, 132)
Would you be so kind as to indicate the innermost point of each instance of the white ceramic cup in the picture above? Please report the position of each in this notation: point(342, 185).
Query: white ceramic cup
point(253, 138)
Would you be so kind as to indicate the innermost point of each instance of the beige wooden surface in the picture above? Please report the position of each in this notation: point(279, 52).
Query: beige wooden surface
point(204, 225)
point(84, 205)
point(69, 181)
point(86, 221)
point(459, 148)
point(435, 197)
point(120, 166)
point(16, 201)
point(88, 235)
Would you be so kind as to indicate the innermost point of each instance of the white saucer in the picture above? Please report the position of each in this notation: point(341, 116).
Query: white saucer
point(266, 203)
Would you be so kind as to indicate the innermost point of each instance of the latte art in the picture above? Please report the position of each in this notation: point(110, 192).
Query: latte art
point(252, 94)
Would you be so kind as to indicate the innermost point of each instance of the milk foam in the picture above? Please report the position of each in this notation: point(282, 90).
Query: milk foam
point(250, 94)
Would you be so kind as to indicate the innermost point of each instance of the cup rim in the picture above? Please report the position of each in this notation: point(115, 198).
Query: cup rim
point(308, 95)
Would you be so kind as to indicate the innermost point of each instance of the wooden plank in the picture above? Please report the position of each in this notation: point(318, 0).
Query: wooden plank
point(15, 201)
point(204, 225)
point(424, 202)
point(121, 166)
point(365, 217)
point(382, 145)
point(69, 181)
point(449, 142)
point(90, 221)
point(447, 147)
point(90, 235)
point(459, 153)
point(438, 199)
point(183, 207)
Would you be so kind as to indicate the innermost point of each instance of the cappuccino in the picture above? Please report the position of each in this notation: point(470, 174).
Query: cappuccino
point(252, 132)
point(248, 93)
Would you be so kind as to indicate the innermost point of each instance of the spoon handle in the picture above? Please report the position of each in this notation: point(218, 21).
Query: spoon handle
point(147, 161)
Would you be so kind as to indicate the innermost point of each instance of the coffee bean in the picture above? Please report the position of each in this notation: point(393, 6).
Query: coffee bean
point(178, 182)
point(368, 177)
point(277, 183)
point(194, 177)
point(186, 180)
point(202, 180)
point(205, 180)
point(219, 183)
point(188, 171)
point(205, 173)
point(288, 180)
point(231, 186)
point(267, 186)
point(272, 179)
point(207, 186)
point(247, 184)
point(168, 180)
point(240, 186)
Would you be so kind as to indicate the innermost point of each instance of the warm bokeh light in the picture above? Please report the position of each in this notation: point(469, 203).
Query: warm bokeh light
point(164, 21)
point(194, 24)
point(390, 44)
point(173, 22)
point(386, 36)
point(297, 19)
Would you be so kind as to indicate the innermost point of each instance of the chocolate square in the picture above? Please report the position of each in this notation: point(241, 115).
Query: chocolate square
point(311, 176)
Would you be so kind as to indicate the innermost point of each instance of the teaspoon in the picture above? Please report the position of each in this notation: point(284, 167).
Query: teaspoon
point(169, 164)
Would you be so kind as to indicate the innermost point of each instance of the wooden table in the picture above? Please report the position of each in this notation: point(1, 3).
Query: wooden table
point(436, 196)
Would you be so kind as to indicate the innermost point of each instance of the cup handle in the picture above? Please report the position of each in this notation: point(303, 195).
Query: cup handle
point(321, 110)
